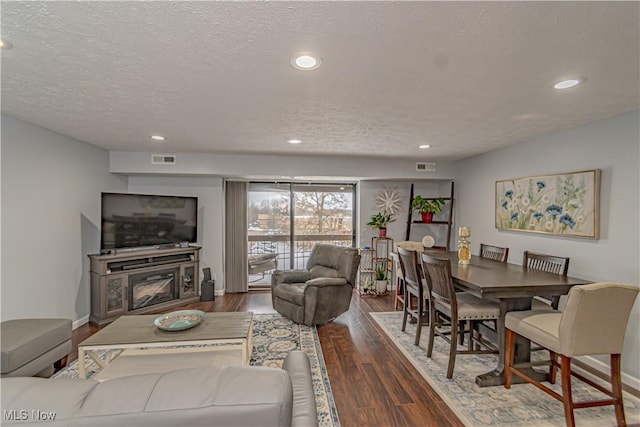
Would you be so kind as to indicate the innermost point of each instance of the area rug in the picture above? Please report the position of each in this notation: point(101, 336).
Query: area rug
point(273, 338)
point(523, 405)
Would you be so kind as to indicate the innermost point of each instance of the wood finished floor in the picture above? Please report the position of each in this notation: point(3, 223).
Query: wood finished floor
point(373, 383)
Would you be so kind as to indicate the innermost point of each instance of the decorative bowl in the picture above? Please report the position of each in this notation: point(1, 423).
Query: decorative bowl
point(179, 320)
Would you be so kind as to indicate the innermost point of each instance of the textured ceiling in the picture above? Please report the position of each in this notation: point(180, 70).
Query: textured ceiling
point(465, 77)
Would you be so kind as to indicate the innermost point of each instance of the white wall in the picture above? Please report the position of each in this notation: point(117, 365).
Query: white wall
point(367, 192)
point(210, 213)
point(367, 206)
point(613, 147)
point(51, 187)
point(277, 167)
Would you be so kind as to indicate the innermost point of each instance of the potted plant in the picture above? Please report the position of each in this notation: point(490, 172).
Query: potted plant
point(427, 207)
point(381, 278)
point(380, 222)
point(366, 284)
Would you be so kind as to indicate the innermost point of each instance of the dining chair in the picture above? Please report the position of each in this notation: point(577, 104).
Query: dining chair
point(398, 278)
point(450, 311)
point(413, 288)
point(496, 253)
point(551, 264)
point(593, 322)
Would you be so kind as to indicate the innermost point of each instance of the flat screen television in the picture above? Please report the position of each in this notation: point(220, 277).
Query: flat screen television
point(142, 220)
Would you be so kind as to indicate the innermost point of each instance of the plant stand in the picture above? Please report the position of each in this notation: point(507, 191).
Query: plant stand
point(378, 254)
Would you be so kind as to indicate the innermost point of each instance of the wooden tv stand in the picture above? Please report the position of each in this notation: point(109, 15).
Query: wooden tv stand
point(142, 282)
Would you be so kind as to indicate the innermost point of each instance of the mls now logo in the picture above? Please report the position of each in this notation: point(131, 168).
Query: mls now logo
point(15, 415)
point(23, 415)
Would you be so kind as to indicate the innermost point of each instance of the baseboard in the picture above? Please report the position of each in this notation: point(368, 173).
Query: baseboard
point(219, 292)
point(80, 322)
point(602, 370)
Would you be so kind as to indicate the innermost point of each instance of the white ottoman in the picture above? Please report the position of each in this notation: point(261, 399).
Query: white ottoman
point(31, 345)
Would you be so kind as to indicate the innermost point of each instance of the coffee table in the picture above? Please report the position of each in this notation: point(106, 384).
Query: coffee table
point(136, 335)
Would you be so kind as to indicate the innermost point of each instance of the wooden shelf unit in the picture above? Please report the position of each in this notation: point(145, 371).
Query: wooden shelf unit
point(432, 222)
point(448, 222)
point(410, 222)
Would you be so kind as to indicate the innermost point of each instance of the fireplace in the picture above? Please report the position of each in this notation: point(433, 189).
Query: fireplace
point(147, 289)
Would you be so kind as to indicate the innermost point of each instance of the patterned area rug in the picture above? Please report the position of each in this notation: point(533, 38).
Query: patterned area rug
point(273, 338)
point(523, 405)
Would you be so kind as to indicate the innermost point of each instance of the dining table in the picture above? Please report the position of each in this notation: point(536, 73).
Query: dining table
point(513, 287)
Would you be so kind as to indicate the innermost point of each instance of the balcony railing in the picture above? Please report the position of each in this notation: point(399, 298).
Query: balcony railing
point(302, 246)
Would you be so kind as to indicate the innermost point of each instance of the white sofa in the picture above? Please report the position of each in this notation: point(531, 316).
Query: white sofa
point(211, 396)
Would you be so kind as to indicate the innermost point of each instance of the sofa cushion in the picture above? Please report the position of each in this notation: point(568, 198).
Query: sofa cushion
point(65, 397)
point(24, 340)
point(213, 396)
point(342, 259)
point(327, 281)
point(305, 412)
point(322, 271)
point(292, 292)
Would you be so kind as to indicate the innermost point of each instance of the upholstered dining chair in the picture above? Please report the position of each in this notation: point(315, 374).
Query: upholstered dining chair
point(413, 289)
point(593, 322)
point(496, 253)
point(448, 310)
point(551, 264)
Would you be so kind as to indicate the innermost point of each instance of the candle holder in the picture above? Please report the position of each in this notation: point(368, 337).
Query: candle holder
point(464, 253)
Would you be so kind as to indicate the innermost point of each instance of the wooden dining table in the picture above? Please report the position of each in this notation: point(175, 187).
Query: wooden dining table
point(513, 287)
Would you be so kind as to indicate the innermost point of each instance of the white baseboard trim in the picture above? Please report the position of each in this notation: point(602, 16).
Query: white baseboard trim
point(606, 370)
point(83, 320)
point(219, 292)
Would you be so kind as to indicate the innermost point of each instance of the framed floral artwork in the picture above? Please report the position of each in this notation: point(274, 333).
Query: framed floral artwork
point(564, 204)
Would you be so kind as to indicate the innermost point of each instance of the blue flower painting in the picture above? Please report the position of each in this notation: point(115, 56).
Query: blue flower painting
point(563, 204)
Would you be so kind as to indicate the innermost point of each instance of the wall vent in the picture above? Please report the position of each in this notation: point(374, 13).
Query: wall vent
point(425, 167)
point(163, 159)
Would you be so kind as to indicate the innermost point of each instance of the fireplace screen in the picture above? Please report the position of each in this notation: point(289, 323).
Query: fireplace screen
point(146, 289)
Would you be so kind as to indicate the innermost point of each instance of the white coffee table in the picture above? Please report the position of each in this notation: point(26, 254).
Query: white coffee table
point(135, 345)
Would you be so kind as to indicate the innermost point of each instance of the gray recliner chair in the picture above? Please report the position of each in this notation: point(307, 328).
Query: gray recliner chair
point(322, 291)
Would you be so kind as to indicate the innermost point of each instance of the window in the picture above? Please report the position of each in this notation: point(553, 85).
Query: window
point(288, 219)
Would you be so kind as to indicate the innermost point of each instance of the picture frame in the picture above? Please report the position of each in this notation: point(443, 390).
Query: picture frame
point(564, 204)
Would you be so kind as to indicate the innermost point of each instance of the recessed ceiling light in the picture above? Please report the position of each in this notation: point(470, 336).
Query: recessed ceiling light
point(305, 61)
point(424, 146)
point(5, 44)
point(566, 84)
point(294, 141)
point(157, 137)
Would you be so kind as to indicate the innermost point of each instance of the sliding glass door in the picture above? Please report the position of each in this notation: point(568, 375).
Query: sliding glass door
point(285, 221)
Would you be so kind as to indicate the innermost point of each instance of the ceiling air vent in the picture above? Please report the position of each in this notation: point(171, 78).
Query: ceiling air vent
point(426, 167)
point(163, 159)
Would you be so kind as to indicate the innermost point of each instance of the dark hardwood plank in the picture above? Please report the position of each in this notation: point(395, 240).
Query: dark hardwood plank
point(373, 383)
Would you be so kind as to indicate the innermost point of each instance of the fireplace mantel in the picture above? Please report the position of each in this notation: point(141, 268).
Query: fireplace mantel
point(172, 273)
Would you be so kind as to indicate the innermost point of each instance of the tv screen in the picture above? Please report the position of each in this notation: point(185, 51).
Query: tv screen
point(138, 220)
